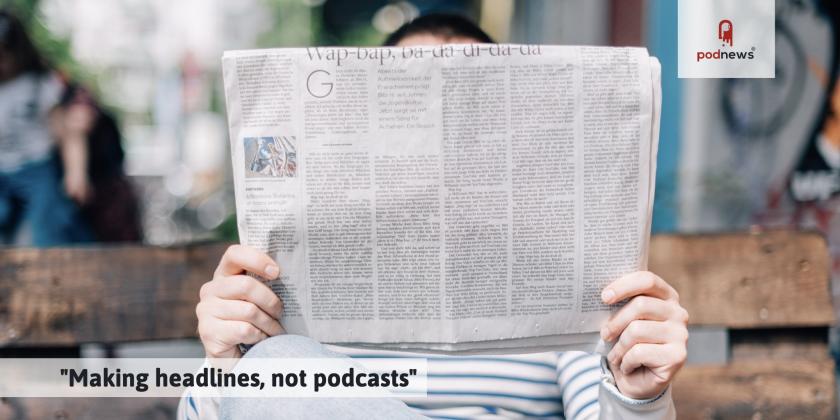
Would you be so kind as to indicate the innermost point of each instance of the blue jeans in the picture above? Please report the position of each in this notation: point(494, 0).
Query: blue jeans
point(34, 195)
point(291, 346)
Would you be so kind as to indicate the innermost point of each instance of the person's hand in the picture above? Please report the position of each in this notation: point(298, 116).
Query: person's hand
point(77, 186)
point(72, 125)
point(236, 308)
point(649, 334)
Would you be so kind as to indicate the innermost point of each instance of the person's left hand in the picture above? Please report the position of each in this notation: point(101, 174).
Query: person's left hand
point(77, 187)
point(75, 121)
point(649, 334)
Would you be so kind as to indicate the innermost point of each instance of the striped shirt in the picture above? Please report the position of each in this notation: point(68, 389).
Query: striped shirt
point(555, 385)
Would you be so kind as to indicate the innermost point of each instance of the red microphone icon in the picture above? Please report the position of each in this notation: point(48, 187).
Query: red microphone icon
point(725, 31)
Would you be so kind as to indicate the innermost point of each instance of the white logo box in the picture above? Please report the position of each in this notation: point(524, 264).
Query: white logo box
point(706, 29)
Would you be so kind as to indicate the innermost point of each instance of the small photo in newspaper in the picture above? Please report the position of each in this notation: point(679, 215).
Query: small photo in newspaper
point(270, 157)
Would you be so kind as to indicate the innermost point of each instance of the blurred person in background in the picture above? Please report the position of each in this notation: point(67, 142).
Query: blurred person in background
point(32, 126)
point(57, 151)
point(647, 336)
point(111, 208)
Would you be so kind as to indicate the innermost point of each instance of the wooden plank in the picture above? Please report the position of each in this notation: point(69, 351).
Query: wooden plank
point(759, 389)
point(102, 294)
point(127, 293)
point(88, 408)
point(748, 280)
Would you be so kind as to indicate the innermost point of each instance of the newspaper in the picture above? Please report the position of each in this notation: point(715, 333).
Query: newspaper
point(452, 198)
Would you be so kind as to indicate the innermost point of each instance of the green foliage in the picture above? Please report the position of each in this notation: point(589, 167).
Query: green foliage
point(293, 24)
point(55, 50)
point(227, 230)
point(299, 25)
point(23, 9)
point(362, 36)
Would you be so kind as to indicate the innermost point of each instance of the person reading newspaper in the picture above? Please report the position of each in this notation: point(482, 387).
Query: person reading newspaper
point(648, 335)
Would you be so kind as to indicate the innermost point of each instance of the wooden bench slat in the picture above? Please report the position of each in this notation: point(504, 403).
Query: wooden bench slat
point(765, 389)
point(769, 279)
point(128, 293)
point(89, 408)
point(68, 296)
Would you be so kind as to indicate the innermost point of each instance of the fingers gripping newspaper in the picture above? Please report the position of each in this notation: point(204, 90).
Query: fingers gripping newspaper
point(456, 198)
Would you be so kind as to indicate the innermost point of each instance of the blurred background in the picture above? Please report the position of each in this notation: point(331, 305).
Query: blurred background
point(734, 154)
point(155, 65)
point(727, 149)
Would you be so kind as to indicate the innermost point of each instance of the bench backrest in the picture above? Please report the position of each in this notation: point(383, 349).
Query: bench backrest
point(66, 296)
point(763, 287)
point(770, 293)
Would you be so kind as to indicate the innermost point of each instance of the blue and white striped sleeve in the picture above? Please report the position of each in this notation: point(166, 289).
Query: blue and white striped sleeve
point(193, 406)
point(579, 377)
point(589, 392)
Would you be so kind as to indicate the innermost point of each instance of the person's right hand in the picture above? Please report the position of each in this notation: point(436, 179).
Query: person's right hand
point(236, 308)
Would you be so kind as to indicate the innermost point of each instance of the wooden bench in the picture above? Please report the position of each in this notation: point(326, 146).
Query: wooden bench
point(770, 290)
point(109, 295)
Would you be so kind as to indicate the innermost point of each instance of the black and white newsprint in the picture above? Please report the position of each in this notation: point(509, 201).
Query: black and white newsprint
point(455, 198)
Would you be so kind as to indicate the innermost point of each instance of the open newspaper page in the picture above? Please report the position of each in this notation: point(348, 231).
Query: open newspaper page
point(455, 198)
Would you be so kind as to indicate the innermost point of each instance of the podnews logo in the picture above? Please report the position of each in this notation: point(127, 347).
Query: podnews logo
point(725, 31)
point(726, 34)
point(732, 39)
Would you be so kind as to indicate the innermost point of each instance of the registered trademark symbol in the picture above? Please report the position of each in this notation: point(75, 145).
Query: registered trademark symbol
point(753, 48)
